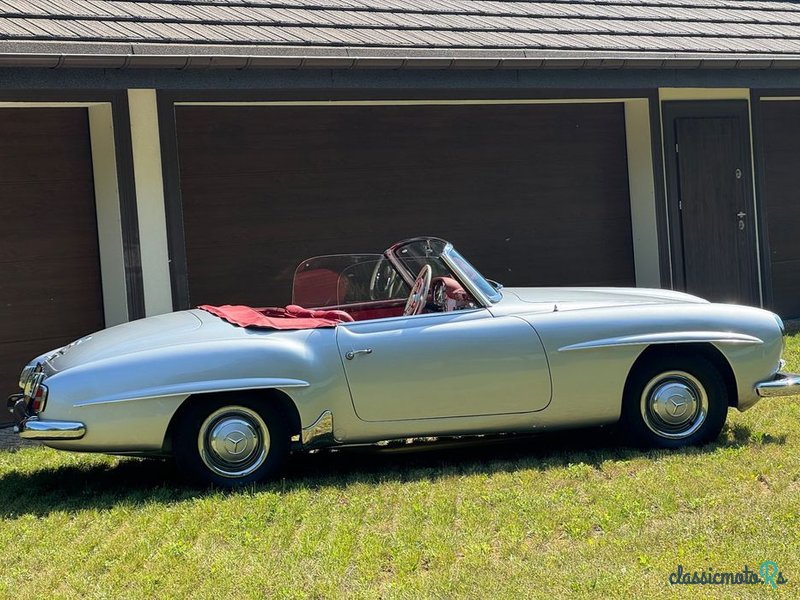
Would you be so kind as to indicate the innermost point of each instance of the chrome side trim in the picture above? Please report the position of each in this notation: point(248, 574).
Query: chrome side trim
point(199, 387)
point(681, 337)
point(782, 384)
point(34, 428)
point(320, 432)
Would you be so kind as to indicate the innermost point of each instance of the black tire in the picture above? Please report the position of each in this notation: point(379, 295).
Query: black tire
point(667, 389)
point(231, 441)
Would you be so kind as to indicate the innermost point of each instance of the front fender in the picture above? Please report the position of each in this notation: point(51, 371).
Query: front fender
point(591, 351)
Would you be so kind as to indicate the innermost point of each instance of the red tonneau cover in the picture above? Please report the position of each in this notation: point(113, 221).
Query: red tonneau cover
point(291, 317)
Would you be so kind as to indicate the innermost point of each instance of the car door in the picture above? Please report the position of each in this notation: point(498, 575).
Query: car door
point(454, 364)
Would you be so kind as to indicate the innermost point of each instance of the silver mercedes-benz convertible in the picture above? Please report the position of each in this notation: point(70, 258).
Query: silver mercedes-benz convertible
point(410, 343)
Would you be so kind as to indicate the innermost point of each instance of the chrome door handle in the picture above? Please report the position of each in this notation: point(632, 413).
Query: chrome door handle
point(352, 354)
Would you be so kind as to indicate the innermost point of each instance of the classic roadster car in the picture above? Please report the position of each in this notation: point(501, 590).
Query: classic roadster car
point(414, 342)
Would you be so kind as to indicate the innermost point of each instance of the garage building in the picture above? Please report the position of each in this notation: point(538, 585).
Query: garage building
point(160, 155)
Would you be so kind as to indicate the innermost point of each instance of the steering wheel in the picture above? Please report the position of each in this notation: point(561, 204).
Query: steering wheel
point(419, 292)
point(384, 280)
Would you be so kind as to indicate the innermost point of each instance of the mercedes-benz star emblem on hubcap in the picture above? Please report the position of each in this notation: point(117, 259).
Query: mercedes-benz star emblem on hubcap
point(677, 405)
point(234, 442)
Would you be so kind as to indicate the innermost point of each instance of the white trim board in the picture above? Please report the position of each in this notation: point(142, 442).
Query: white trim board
point(149, 182)
point(477, 102)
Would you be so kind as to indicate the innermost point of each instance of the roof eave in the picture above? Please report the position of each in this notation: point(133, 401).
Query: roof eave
point(50, 55)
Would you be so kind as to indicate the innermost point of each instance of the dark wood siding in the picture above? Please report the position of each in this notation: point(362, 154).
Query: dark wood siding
point(49, 263)
point(781, 190)
point(532, 194)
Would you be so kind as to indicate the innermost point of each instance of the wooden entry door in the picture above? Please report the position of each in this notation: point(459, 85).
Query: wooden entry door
point(713, 221)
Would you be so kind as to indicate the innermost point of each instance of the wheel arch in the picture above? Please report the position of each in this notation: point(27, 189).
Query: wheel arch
point(279, 397)
point(705, 349)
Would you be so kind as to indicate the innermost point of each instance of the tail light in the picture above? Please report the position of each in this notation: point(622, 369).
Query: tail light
point(36, 392)
point(39, 399)
point(33, 389)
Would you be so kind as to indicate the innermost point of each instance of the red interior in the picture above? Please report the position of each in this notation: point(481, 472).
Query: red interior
point(376, 309)
point(291, 317)
point(297, 317)
point(452, 288)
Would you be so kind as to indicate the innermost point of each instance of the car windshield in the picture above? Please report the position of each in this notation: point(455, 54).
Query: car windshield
point(479, 281)
point(339, 280)
point(444, 261)
point(415, 254)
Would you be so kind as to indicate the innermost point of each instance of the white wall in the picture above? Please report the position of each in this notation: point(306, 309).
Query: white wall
point(149, 183)
point(642, 189)
point(109, 224)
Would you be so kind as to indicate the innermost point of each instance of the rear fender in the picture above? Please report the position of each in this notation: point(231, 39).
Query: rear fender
point(128, 402)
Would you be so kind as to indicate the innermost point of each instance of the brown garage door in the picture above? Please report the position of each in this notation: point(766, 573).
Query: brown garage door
point(49, 266)
point(781, 143)
point(533, 195)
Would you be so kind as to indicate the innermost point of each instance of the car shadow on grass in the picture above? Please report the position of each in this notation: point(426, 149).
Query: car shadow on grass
point(75, 488)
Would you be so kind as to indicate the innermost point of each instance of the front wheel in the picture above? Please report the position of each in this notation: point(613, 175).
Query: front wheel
point(674, 401)
point(230, 442)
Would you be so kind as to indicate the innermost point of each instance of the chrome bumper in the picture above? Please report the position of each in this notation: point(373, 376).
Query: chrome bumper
point(782, 384)
point(31, 427)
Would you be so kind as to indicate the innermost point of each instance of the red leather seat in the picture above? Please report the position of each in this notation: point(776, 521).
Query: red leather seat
point(333, 315)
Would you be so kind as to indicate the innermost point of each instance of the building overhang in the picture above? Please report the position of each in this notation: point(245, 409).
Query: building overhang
point(57, 55)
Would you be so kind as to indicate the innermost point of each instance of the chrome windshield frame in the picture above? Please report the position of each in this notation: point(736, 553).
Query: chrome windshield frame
point(467, 281)
point(462, 277)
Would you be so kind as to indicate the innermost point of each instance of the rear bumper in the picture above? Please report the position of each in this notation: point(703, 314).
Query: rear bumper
point(32, 427)
point(782, 384)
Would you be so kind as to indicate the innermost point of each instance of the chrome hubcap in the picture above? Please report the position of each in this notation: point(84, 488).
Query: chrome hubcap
point(233, 441)
point(674, 404)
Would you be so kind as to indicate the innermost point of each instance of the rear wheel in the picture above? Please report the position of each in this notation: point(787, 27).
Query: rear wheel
point(673, 401)
point(230, 442)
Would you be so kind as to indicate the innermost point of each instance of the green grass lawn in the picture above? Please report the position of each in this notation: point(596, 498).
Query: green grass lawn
point(568, 515)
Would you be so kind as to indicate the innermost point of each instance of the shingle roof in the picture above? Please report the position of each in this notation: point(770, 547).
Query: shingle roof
point(603, 30)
